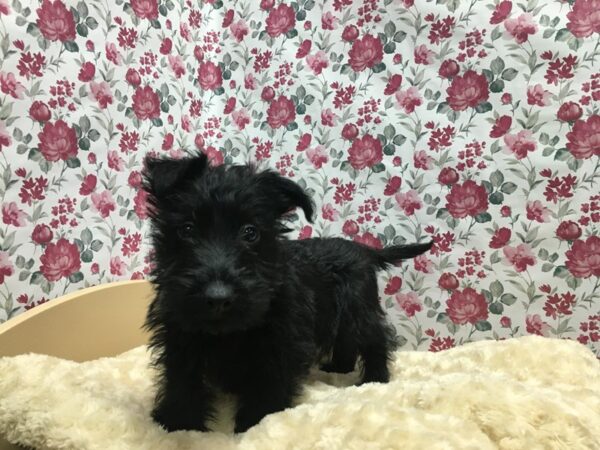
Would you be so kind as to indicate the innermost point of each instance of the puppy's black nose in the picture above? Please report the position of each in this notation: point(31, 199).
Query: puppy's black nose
point(218, 296)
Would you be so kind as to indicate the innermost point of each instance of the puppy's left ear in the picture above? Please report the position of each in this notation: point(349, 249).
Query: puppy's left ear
point(284, 194)
point(162, 176)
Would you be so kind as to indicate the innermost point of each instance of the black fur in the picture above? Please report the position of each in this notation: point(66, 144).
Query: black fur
point(252, 316)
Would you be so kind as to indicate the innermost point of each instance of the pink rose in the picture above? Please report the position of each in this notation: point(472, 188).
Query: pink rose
point(350, 228)
point(448, 176)
point(501, 12)
point(117, 266)
point(500, 238)
point(112, 54)
point(583, 259)
point(281, 112)
point(501, 126)
point(115, 162)
point(10, 86)
point(177, 65)
point(409, 202)
point(538, 212)
point(537, 95)
point(328, 117)
point(135, 179)
point(409, 303)
point(60, 260)
point(584, 19)
point(568, 231)
point(241, 118)
point(88, 185)
point(393, 185)
point(408, 100)
point(583, 140)
point(448, 281)
point(267, 94)
point(317, 62)
point(12, 215)
point(250, 82)
point(42, 234)
point(145, 9)
point(103, 203)
point(423, 264)
point(393, 285)
point(350, 33)
point(466, 91)
point(423, 55)
point(535, 325)
point(520, 144)
point(369, 240)
point(521, 27)
point(140, 204)
point(146, 104)
point(317, 156)
point(4, 7)
point(87, 72)
point(305, 232)
point(365, 53)
point(166, 46)
point(55, 21)
point(449, 69)
point(422, 160)
point(393, 84)
point(39, 111)
point(329, 212)
point(467, 306)
point(520, 256)
point(328, 21)
point(102, 94)
point(215, 157)
point(349, 132)
point(210, 76)
point(239, 30)
point(280, 20)
point(365, 152)
point(467, 199)
point(58, 141)
point(569, 112)
point(133, 77)
point(6, 267)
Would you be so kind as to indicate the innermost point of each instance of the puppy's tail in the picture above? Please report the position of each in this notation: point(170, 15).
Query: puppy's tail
point(396, 253)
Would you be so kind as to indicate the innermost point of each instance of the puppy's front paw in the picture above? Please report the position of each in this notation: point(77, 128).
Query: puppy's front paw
point(175, 421)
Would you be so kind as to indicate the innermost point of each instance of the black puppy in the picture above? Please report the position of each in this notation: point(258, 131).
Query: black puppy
point(240, 308)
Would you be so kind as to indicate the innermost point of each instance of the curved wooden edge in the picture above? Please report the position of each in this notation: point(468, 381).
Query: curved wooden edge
point(99, 321)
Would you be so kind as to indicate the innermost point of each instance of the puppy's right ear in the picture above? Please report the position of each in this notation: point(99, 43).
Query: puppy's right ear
point(162, 176)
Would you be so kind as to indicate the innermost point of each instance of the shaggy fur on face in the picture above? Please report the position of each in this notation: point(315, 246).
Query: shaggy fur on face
point(240, 308)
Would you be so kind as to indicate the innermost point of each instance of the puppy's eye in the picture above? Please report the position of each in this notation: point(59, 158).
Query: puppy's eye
point(250, 233)
point(186, 230)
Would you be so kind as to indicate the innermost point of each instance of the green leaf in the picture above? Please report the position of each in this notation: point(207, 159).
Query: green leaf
point(497, 178)
point(73, 163)
point(84, 143)
point(390, 29)
point(76, 277)
point(86, 236)
point(96, 245)
point(91, 23)
point(379, 67)
point(87, 256)
point(508, 299)
point(36, 278)
point(497, 66)
point(483, 325)
point(84, 124)
point(291, 126)
point(94, 135)
point(399, 139)
point(562, 154)
point(389, 132)
point(389, 149)
point(496, 288)
point(301, 15)
point(292, 33)
point(497, 86)
point(561, 272)
point(483, 217)
point(300, 92)
point(509, 74)
point(399, 36)
point(484, 107)
point(496, 198)
point(71, 46)
point(496, 308)
point(442, 213)
point(157, 122)
point(82, 9)
point(301, 109)
point(562, 35)
point(508, 187)
point(378, 168)
point(309, 99)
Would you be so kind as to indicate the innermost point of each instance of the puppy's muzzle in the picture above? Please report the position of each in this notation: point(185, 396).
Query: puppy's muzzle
point(219, 297)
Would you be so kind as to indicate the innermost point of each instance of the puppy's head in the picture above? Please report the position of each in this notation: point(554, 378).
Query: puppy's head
point(215, 234)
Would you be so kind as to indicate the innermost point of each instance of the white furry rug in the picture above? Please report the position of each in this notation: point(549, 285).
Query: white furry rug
point(528, 393)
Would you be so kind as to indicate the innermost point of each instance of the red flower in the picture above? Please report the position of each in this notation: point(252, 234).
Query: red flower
point(583, 260)
point(467, 306)
point(266, 4)
point(501, 12)
point(350, 228)
point(365, 53)
point(5, 10)
point(58, 141)
point(87, 72)
point(500, 238)
point(537, 211)
point(198, 53)
point(6, 267)
point(349, 132)
point(520, 257)
point(60, 260)
point(101, 92)
point(12, 215)
point(135, 179)
point(393, 286)
point(505, 211)
point(505, 322)
point(467, 91)
point(304, 142)
point(166, 46)
point(304, 48)
point(199, 141)
point(228, 19)
point(280, 20)
point(449, 69)
point(521, 27)
point(501, 126)
point(568, 231)
point(365, 152)
point(39, 111)
point(267, 94)
point(535, 325)
point(215, 157)
point(448, 176)
point(55, 21)
point(140, 202)
point(305, 232)
point(506, 98)
point(103, 203)
point(423, 55)
point(167, 142)
point(584, 19)
point(133, 77)
point(467, 199)
point(42, 234)
point(409, 201)
point(317, 156)
point(448, 281)
point(569, 112)
point(369, 240)
point(281, 112)
point(350, 33)
point(438, 344)
point(229, 105)
point(409, 302)
point(88, 185)
point(210, 76)
point(393, 84)
point(146, 104)
point(584, 138)
point(520, 144)
point(145, 9)
point(393, 185)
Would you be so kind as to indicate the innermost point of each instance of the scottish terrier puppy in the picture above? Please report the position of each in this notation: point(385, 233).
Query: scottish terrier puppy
point(239, 308)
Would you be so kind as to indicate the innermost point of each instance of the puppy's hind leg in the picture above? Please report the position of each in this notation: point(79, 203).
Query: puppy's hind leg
point(345, 350)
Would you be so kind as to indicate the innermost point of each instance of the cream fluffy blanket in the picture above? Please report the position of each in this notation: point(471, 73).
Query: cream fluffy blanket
point(528, 393)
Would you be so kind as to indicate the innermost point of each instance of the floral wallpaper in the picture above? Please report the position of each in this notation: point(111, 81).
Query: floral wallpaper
point(472, 123)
